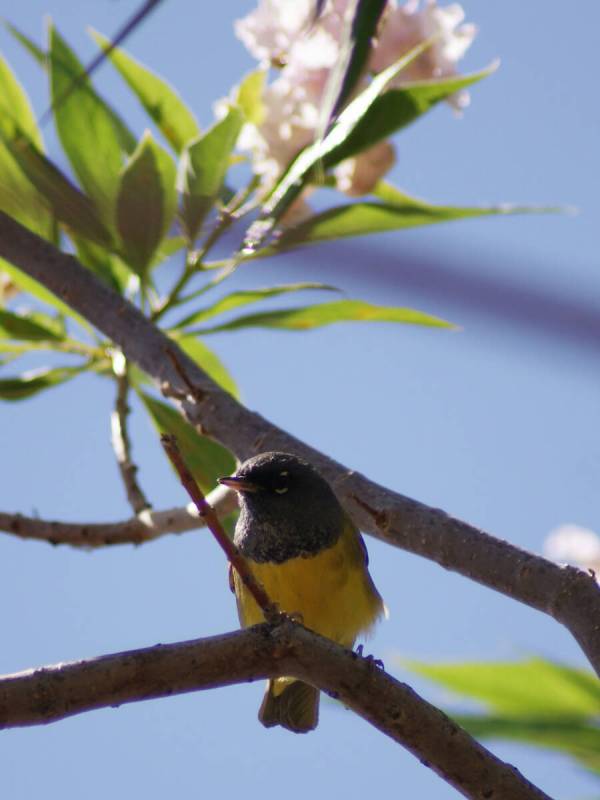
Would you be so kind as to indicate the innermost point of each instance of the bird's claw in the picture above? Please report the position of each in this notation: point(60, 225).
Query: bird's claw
point(371, 660)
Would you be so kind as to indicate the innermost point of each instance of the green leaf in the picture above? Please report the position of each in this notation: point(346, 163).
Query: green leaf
point(15, 109)
point(28, 384)
point(25, 326)
point(173, 118)
point(146, 203)
point(395, 109)
point(533, 687)
point(203, 168)
point(108, 266)
point(18, 198)
point(30, 285)
point(206, 459)
point(209, 362)
point(312, 162)
point(355, 48)
point(246, 297)
point(359, 219)
point(248, 97)
point(93, 136)
point(70, 206)
point(309, 317)
point(168, 247)
point(32, 48)
point(577, 737)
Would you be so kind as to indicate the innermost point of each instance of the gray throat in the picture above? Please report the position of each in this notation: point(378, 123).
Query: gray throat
point(263, 538)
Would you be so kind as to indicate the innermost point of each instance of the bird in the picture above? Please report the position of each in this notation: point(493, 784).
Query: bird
point(304, 549)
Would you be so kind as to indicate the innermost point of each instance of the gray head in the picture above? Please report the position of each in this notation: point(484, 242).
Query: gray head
point(287, 508)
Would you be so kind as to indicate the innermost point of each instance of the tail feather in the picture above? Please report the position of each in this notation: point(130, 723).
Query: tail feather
point(295, 707)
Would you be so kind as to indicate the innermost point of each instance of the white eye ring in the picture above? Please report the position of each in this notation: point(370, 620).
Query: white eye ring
point(283, 490)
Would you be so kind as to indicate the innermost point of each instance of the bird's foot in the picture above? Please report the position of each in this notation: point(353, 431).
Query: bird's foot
point(371, 660)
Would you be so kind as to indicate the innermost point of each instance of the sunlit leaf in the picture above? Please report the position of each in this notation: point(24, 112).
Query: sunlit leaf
point(206, 459)
point(70, 206)
point(535, 686)
point(536, 702)
point(309, 317)
point(15, 109)
point(30, 46)
point(249, 96)
point(18, 197)
point(578, 737)
point(159, 99)
point(203, 169)
point(367, 217)
point(354, 51)
point(167, 248)
point(146, 203)
point(317, 157)
point(24, 326)
point(246, 297)
point(23, 386)
point(208, 360)
point(30, 285)
point(94, 138)
point(394, 109)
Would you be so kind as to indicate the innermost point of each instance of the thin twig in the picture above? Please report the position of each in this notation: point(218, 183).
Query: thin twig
point(122, 443)
point(225, 218)
point(265, 651)
point(235, 558)
point(146, 527)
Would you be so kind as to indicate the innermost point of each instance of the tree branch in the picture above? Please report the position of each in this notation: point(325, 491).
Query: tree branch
point(139, 529)
point(568, 594)
point(122, 443)
point(46, 695)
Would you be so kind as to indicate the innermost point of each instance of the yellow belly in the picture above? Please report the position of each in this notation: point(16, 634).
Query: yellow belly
point(332, 590)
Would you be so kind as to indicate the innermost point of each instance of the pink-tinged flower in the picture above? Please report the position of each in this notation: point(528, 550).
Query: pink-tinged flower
point(358, 176)
point(406, 26)
point(284, 33)
point(572, 544)
point(291, 117)
point(269, 31)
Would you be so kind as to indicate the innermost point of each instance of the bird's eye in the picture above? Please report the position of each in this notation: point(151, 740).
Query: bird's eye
point(283, 488)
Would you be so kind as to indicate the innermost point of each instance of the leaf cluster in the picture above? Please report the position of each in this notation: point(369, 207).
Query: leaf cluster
point(144, 212)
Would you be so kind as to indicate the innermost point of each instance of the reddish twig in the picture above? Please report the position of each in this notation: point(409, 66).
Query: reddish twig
point(206, 511)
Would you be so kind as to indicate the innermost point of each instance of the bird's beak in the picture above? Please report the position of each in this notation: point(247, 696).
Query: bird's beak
point(239, 484)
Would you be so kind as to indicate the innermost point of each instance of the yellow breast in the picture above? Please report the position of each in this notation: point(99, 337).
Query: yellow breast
point(332, 590)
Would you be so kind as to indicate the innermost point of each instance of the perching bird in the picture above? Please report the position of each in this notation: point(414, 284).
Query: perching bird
point(310, 558)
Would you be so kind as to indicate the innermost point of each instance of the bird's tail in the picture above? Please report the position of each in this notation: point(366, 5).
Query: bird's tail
point(292, 704)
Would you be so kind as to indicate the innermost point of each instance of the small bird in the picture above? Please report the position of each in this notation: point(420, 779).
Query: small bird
point(312, 561)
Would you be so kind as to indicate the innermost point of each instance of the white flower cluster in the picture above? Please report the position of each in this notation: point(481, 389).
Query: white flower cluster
point(283, 34)
point(572, 544)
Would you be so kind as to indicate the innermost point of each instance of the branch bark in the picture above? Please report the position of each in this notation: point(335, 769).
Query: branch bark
point(52, 693)
point(568, 594)
point(139, 529)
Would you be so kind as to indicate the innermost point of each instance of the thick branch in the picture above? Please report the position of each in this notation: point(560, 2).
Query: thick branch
point(569, 595)
point(122, 445)
point(52, 693)
point(139, 529)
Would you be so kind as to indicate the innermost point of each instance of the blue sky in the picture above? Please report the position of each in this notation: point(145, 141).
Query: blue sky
point(496, 423)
